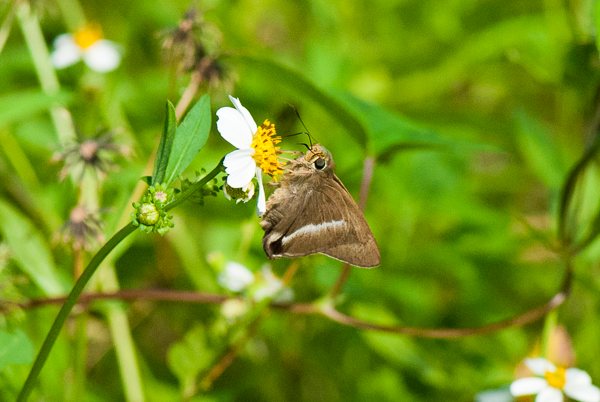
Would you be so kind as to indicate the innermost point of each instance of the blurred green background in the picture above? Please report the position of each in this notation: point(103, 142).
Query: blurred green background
point(475, 113)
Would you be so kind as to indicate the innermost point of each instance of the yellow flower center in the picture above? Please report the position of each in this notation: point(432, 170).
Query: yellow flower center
point(556, 379)
point(265, 149)
point(87, 35)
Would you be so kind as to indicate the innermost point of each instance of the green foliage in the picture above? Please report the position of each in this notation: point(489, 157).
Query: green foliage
point(23, 104)
point(180, 145)
point(190, 137)
point(189, 357)
point(496, 102)
point(30, 251)
point(165, 146)
point(16, 348)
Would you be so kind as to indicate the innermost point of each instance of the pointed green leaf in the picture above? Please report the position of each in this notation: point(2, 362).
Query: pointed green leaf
point(30, 250)
point(190, 137)
point(22, 105)
point(299, 82)
point(188, 357)
point(579, 212)
point(165, 146)
point(597, 23)
point(16, 348)
point(538, 150)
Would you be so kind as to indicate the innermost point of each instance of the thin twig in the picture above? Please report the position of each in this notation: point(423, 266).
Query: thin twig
point(188, 94)
point(328, 310)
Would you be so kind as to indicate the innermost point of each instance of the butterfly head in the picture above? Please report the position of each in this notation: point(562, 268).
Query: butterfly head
point(319, 158)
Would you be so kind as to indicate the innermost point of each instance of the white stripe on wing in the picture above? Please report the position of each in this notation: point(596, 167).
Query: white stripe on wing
point(312, 228)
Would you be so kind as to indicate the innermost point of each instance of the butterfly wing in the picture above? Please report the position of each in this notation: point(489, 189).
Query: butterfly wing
point(323, 218)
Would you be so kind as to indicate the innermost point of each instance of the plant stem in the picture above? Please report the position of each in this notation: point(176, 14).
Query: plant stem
point(125, 350)
point(85, 277)
point(40, 56)
point(66, 308)
point(196, 186)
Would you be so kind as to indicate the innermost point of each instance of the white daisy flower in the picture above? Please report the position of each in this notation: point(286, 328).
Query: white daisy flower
point(86, 44)
point(256, 149)
point(235, 277)
point(554, 382)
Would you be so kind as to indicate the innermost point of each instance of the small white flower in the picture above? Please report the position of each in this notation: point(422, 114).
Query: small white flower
point(233, 309)
point(553, 382)
point(270, 286)
point(235, 277)
point(87, 44)
point(256, 151)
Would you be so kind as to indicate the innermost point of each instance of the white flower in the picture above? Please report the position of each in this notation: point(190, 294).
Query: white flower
point(554, 381)
point(235, 277)
point(270, 286)
point(87, 44)
point(256, 151)
point(232, 309)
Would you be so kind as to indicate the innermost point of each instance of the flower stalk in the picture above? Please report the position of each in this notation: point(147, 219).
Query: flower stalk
point(34, 37)
point(83, 280)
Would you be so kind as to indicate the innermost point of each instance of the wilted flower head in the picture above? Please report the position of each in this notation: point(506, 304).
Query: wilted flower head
point(86, 44)
point(551, 383)
point(98, 154)
point(257, 149)
point(83, 229)
point(192, 47)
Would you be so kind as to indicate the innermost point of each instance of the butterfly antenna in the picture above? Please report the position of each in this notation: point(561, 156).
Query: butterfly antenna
point(303, 125)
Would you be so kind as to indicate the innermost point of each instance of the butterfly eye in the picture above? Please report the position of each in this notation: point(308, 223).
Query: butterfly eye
point(320, 163)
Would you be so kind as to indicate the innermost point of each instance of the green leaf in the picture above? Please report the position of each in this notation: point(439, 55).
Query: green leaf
point(188, 357)
point(165, 146)
point(597, 23)
point(579, 213)
point(16, 348)
point(389, 132)
point(22, 105)
point(300, 83)
point(190, 137)
point(30, 250)
point(543, 157)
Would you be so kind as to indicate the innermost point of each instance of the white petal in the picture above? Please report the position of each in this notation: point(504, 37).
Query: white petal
point(549, 395)
point(240, 168)
point(575, 376)
point(66, 52)
point(527, 386)
point(103, 56)
point(238, 160)
point(245, 113)
point(233, 128)
point(235, 277)
point(539, 365)
point(261, 206)
point(583, 393)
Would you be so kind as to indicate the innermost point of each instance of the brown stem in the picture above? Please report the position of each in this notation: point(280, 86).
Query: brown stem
point(188, 94)
point(328, 311)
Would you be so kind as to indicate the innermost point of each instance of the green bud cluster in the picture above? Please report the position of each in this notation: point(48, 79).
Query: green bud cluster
point(150, 214)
